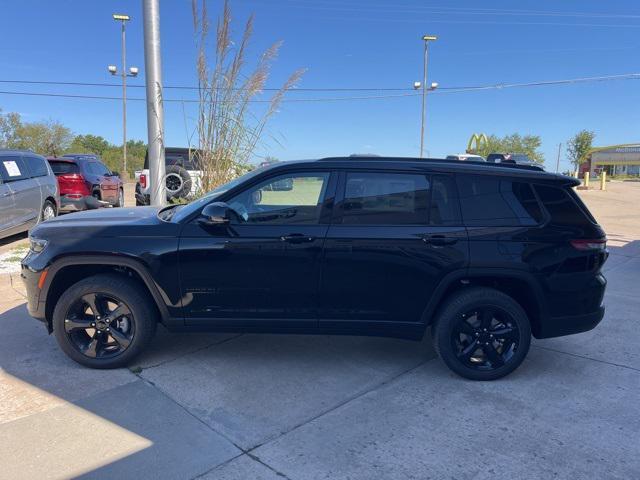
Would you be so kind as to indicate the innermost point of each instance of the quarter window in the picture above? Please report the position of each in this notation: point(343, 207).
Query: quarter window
point(386, 199)
point(491, 201)
point(287, 199)
point(37, 166)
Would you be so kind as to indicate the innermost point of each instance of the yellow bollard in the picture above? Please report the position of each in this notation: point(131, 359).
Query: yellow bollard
point(586, 179)
point(603, 180)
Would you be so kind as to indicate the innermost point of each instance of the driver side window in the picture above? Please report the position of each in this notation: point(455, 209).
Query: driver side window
point(287, 199)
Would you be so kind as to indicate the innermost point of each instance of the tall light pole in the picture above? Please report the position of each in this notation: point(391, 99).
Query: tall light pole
point(133, 71)
point(155, 109)
point(426, 39)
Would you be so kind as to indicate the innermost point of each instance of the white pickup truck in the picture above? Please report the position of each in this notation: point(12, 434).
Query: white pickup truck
point(182, 177)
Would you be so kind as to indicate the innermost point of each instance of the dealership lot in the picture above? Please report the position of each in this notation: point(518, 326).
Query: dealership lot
point(248, 406)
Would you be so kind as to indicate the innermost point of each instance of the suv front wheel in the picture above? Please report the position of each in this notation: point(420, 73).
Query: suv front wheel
point(104, 321)
point(482, 333)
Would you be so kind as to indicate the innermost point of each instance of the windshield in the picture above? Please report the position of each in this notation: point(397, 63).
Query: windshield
point(184, 211)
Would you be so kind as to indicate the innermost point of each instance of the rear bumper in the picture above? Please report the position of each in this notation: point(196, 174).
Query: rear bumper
point(87, 202)
point(560, 326)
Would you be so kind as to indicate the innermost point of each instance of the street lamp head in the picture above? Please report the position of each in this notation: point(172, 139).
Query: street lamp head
point(417, 85)
point(428, 38)
point(133, 71)
point(112, 69)
point(121, 17)
point(433, 86)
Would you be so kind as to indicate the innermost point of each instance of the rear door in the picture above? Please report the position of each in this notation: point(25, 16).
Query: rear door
point(395, 235)
point(27, 198)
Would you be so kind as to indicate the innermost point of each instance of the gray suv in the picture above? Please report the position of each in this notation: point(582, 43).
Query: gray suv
point(28, 191)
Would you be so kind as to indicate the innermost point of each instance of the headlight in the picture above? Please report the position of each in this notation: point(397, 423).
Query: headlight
point(37, 244)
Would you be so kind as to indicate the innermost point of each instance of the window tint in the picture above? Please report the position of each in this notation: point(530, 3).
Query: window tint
point(62, 168)
point(37, 166)
point(490, 201)
point(444, 207)
point(13, 168)
point(99, 169)
point(385, 199)
point(287, 199)
point(561, 206)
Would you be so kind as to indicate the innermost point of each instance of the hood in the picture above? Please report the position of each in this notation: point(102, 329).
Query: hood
point(104, 222)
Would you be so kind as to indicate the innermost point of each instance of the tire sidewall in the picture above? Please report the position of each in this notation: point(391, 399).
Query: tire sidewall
point(461, 303)
point(48, 203)
point(126, 290)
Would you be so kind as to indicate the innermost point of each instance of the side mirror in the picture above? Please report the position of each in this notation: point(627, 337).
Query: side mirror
point(115, 174)
point(216, 213)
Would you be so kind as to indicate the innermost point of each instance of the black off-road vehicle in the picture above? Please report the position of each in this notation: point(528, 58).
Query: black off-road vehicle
point(485, 255)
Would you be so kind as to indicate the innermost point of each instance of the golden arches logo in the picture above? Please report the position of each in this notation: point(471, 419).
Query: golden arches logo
point(480, 140)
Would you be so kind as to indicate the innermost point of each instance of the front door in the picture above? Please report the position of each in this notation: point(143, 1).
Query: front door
point(394, 237)
point(264, 264)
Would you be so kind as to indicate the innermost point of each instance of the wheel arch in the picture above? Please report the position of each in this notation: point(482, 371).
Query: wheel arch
point(66, 271)
point(519, 285)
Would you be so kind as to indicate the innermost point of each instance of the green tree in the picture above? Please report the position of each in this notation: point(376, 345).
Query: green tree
point(578, 146)
point(89, 144)
point(9, 125)
point(47, 138)
point(514, 143)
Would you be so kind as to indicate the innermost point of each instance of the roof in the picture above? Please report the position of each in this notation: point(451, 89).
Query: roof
point(432, 165)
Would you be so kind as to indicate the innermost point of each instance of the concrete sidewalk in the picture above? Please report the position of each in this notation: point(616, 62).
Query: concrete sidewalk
point(220, 406)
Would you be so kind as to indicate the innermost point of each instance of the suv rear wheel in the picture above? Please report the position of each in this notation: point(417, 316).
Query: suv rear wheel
point(482, 334)
point(48, 211)
point(104, 321)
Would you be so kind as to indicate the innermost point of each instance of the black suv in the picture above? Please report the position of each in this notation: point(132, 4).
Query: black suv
point(486, 255)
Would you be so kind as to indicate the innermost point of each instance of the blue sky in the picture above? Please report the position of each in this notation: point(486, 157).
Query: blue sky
point(351, 44)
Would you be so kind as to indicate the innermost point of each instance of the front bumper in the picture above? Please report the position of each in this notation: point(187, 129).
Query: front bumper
point(35, 304)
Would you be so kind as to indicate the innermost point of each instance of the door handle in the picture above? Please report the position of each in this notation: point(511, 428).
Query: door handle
point(439, 240)
point(297, 238)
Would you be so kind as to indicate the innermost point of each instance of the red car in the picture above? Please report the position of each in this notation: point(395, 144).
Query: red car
point(85, 183)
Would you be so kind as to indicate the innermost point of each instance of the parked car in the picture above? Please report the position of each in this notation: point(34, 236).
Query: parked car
point(85, 183)
point(517, 158)
point(482, 255)
point(466, 157)
point(182, 175)
point(28, 191)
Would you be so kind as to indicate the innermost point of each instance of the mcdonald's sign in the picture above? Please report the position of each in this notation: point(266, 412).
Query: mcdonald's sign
point(479, 139)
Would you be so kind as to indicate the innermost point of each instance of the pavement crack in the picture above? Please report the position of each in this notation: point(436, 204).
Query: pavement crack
point(587, 358)
point(340, 404)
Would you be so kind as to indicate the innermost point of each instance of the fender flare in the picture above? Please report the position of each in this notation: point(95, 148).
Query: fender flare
point(159, 298)
point(451, 278)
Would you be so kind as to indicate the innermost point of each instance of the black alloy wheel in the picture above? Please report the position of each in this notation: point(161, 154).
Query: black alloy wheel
point(99, 325)
point(105, 321)
point(485, 338)
point(481, 333)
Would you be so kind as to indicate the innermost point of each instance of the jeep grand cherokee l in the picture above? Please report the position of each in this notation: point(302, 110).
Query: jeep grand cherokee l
point(484, 255)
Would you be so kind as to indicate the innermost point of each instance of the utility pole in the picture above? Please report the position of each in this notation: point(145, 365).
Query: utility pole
point(558, 161)
point(426, 39)
point(155, 112)
point(133, 71)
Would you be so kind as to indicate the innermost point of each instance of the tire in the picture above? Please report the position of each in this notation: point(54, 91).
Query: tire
point(475, 348)
point(120, 202)
point(178, 182)
point(48, 211)
point(135, 327)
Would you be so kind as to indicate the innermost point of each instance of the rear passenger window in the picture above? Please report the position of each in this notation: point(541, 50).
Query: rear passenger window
point(386, 199)
point(561, 206)
point(37, 166)
point(491, 201)
point(12, 168)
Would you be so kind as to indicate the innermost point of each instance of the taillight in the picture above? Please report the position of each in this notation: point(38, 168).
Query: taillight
point(589, 244)
point(143, 180)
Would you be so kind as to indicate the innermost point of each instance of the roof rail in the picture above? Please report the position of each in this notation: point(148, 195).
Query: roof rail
point(538, 168)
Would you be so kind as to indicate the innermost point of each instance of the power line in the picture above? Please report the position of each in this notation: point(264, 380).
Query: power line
point(329, 89)
point(441, 90)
